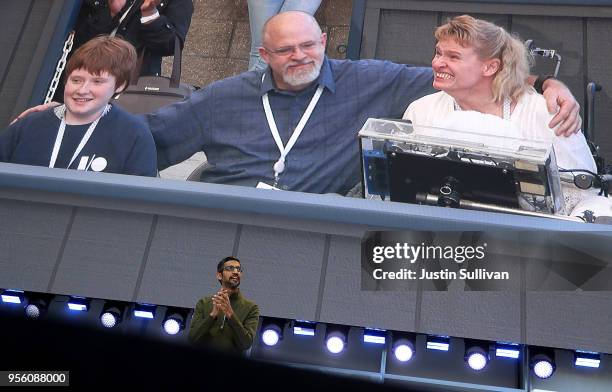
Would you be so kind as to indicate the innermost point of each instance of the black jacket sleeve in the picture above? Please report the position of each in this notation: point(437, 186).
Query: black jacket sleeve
point(174, 20)
point(156, 36)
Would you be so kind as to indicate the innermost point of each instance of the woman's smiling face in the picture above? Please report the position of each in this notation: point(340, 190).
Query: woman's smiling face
point(457, 68)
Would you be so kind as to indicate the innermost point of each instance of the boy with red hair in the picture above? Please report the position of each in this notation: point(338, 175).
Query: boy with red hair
point(87, 132)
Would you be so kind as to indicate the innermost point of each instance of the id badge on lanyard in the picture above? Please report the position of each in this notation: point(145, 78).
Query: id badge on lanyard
point(263, 185)
point(60, 137)
point(279, 165)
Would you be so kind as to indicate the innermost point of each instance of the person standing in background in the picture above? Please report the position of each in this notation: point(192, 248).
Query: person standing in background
point(146, 24)
point(150, 24)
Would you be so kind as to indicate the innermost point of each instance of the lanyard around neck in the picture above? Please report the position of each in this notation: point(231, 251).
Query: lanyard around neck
point(60, 136)
point(279, 165)
point(506, 111)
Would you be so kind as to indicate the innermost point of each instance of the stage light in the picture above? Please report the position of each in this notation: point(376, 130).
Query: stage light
point(111, 314)
point(172, 326)
point(476, 354)
point(335, 344)
point(12, 296)
point(270, 335)
point(109, 319)
point(304, 328)
point(144, 311)
point(32, 311)
point(403, 352)
point(543, 363)
point(403, 349)
point(404, 344)
point(507, 350)
point(272, 330)
point(440, 343)
point(174, 320)
point(37, 305)
point(77, 307)
point(586, 359)
point(79, 304)
point(336, 338)
point(374, 335)
point(543, 368)
point(477, 360)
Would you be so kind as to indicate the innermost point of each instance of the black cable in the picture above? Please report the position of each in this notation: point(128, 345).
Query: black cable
point(603, 180)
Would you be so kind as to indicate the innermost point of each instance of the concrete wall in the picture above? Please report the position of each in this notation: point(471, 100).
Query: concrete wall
point(157, 241)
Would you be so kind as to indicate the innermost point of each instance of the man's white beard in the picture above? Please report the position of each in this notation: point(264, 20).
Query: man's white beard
point(302, 78)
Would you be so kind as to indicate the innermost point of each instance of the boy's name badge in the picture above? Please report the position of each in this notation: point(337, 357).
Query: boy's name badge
point(263, 185)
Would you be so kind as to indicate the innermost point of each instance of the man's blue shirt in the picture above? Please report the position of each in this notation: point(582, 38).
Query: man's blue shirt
point(226, 120)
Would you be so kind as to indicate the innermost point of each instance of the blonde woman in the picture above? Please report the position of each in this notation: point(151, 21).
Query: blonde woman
point(480, 67)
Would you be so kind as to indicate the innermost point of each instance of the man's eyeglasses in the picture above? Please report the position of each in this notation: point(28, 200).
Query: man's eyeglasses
point(231, 268)
point(287, 50)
